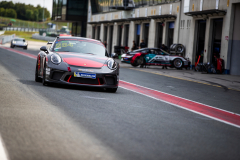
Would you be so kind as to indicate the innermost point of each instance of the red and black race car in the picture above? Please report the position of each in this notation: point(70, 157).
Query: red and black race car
point(77, 61)
point(154, 56)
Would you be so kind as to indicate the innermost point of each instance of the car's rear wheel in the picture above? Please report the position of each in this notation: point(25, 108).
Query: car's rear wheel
point(112, 90)
point(177, 63)
point(37, 79)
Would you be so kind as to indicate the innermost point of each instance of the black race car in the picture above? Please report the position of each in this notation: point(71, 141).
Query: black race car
point(19, 42)
point(77, 61)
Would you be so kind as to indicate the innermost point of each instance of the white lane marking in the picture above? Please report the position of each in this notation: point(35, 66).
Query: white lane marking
point(186, 108)
point(3, 152)
point(92, 97)
point(181, 98)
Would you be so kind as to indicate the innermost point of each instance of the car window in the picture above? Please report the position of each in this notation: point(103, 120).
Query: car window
point(153, 51)
point(160, 52)
point(83, 46)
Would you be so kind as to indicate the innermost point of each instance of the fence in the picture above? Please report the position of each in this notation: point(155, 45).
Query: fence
point(6, 39)
point(21, 29)
point(45, 38)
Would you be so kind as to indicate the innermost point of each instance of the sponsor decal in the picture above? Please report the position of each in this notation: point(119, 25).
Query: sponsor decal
point(85, 70)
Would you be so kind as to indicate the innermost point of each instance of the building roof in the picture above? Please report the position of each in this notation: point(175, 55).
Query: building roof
point(206, 12)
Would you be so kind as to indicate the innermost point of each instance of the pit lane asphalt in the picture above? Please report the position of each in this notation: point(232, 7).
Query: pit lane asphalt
point(60, 122)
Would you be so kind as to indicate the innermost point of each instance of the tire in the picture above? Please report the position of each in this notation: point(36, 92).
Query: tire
point(13, 46)
point(25, 48)
point(44, 75)
point(112, 90)
point(138, 61)
point(134, 65)
point(179, 48)
point(178, 63)
point(37, 79)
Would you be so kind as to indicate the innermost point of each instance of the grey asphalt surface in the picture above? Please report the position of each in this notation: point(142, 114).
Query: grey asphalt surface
point(62, 122)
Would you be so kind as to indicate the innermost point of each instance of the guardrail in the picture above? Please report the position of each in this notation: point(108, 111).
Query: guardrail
point(6, 39)
point(45, 38)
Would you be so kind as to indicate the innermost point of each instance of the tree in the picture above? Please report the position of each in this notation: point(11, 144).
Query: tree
point(2, 11)
point(29, 14)
point(10, 13)
point(23, 11)
point(35, 15)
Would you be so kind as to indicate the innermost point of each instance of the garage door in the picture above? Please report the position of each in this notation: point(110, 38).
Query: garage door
point(235, 59)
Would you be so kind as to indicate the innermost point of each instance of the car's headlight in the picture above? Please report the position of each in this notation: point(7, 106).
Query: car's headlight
point(56, 59)
point(112, 64)
point(14, 41)
point(25, 43)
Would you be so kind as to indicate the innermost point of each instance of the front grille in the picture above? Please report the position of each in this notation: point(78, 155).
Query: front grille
point(83, 80)
point(110, 80)
point(57, 75)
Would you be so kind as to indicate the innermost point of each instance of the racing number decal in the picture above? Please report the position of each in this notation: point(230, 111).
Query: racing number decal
point(59, 45)
point(65, 45)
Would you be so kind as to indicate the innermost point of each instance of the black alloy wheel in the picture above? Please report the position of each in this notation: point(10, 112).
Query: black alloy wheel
point(44, 82)
point(138, 61)
point(37, 79)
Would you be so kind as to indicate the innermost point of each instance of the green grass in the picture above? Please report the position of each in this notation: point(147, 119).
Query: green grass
point(32, 24)
point(26, 35)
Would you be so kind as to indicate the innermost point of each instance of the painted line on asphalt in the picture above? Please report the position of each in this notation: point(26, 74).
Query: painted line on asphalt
point(182, 79)
point(20, 52)
point(3, 152)
point(220, 115)
point(217, 114)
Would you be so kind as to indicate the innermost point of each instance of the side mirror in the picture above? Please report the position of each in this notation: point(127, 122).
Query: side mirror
point(113, 55)
point(44, 48)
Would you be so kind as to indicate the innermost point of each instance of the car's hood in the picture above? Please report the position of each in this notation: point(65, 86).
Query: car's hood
point(81, 60)
point(20, 42)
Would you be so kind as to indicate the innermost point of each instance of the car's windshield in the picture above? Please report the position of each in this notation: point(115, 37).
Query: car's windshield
point(22, 40)
point(83, 46)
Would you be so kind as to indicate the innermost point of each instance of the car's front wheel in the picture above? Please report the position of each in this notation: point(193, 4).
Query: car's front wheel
point(138, 61)
point(37, 79)
point(178, 63)
point(44, 82)
point(25, 48)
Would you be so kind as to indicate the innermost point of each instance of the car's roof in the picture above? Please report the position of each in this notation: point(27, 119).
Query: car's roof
point(144, 49)
point(18, 38)
point(67, 37)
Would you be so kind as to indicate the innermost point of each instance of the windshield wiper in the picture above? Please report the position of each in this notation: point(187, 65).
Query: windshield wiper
point(90, 53)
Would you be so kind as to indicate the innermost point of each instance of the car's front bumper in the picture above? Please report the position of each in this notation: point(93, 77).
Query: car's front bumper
point(20, 45)
point(103, 80)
